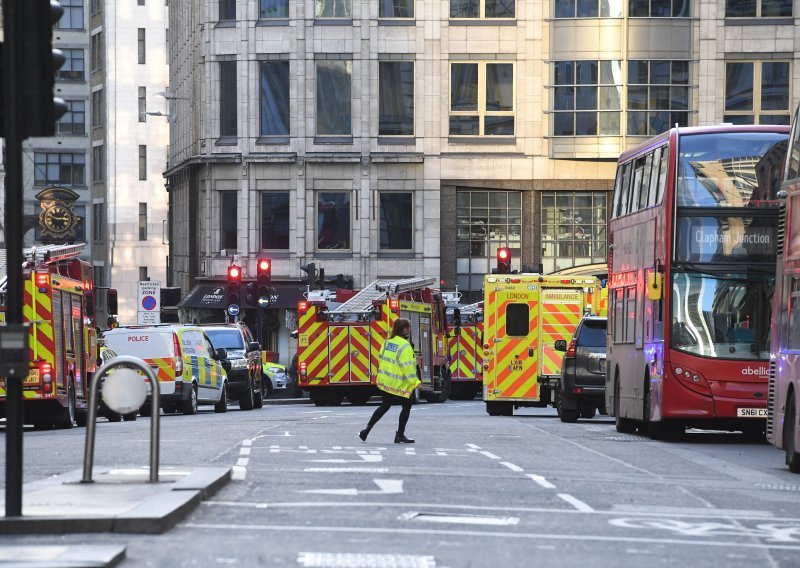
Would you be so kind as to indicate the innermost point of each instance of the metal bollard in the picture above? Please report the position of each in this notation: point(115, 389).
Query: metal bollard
point(155, 401)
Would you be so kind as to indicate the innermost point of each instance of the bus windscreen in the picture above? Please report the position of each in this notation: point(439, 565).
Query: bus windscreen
point(730, 169)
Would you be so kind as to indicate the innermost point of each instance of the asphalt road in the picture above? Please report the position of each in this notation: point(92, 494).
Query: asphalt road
point(473, 491)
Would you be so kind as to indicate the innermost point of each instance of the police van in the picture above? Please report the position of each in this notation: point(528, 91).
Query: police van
point(189, 369)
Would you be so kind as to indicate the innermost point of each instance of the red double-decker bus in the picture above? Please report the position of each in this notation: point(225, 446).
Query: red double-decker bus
point(692, 272)
point(784, 365)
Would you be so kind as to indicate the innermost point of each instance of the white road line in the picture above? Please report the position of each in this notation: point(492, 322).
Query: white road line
point(317, 411)
point(494, 535)
point(247, 442)
point(243, 462)
point(441, 453)
point(512, 467)
point(239, 473)
point(244, 451)
point(473, 446)
point(346, 469)
point(489, 455)
point(577, 503)
point(541, 481)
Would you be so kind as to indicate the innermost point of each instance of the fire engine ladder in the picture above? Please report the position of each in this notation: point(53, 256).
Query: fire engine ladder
point(39, 255)
point(380, 290)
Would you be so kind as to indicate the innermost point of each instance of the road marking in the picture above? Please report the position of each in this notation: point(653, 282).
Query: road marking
point(361, 560)
point(386, 487)
point(239, 473)
point(318, 412)
point(243, 462)
point(493, 535)
point(247, 442)
point(245, 451)
point(441, 453)
point(512, 467)
point(473, 446)
point(347, 469)
point(541, 481)
point(682, 511)
point(458, 519)
point(575, 502)
point(489, 455)
point(771, 532)
point(365, 458)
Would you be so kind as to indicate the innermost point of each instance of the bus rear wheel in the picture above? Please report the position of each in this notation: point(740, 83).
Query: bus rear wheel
point(789, 429)
point(623, 425)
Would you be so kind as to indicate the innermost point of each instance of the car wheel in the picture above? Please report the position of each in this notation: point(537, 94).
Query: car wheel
point(789, 429)
point(190, 406)
point(588, 412)
point(247, 401)
point(566, 414)
point(258, 396)
point(222, 405)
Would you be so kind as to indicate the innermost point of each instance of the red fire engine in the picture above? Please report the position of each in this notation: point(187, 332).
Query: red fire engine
point(62, 339)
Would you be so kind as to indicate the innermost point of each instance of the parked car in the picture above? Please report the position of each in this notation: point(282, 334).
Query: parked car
point(275, 377)
point(245, 381)
point(583, 372)
point(188, 367)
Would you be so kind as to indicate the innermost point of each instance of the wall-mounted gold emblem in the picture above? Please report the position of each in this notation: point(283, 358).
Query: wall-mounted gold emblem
point(57, 221)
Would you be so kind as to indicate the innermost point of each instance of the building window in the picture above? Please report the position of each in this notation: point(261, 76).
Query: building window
point(97, 52)
point(757, 92)
point(98, 108)
point(142, 221)
point(395, 8)
point(573, 229)
point(658, 96)
point(142, 162)
point(141, 2)
point(228, 217)
point(482, 8)
point(142, 46)
point(333, 98)
point(143, 277)
point(227, 10)
point(333, 220)
point(588, 8)
point(74, 66)
point(142, 98)
point(758, 8)
point(72, 19)
point(586, 98)
point(396, 98)
point(227, 98)
point(59, 168)
point(74, 120)
point(485, 221)
point(482, 99)
point(275, 98)
point(95, 6)
point(659, 8)
point(277, 8)
point(333, 9)
point(275, 220)
point(98, 221)
point(98, 163)
point(397, 213)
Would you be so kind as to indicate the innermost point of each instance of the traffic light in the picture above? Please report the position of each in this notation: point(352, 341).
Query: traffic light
point(234, 284)
point(263, 277)
point(504, 260)
point(311, 273)
point(40, 63)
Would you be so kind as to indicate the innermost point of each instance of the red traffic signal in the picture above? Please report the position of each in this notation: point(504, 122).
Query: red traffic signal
point(234, 273)
point(264, 265)
point(504, 260)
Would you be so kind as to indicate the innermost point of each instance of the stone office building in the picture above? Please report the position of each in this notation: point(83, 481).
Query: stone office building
point(382, 138)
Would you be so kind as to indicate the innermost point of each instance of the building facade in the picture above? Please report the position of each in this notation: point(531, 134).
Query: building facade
point(401, 137)
point(129, 137)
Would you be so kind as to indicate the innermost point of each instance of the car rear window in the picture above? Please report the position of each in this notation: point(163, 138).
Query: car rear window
point(144, 344)
point(225, 338)
point(593, 334)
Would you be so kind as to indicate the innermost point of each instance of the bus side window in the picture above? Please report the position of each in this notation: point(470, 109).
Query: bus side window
point(630, 313)
point(645, 190)
point(624, 190)
point(794, 315)
point(662, 180)
point(636, 185)
point(619, 310)
point(617, 194)
point(654, 178)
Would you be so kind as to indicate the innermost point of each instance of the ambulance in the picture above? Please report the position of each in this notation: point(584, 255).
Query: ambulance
point(524, 316)
point(465, 341)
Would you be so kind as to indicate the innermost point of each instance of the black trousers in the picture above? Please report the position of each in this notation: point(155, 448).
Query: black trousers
point(388, 401)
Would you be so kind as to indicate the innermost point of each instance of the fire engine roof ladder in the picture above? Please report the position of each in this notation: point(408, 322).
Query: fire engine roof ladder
point(41, 254)
point(380, 290)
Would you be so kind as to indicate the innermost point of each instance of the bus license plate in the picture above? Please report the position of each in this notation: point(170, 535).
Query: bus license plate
point(32, 378)
point(751, 412)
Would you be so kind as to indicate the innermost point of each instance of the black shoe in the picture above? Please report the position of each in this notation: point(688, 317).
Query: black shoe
point(363, 435)
point(401, 439)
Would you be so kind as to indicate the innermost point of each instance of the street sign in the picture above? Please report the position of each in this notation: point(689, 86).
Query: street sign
point(263, 301)
point(149, 302)
point(233, 310)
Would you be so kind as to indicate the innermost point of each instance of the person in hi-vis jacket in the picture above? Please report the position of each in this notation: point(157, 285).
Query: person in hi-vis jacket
point(397, 379)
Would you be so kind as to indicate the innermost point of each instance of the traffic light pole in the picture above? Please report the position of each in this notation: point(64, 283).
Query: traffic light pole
point(14, 134)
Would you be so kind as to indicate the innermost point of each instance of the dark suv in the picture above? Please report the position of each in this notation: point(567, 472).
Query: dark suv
point(244, 357)
point(583, 371)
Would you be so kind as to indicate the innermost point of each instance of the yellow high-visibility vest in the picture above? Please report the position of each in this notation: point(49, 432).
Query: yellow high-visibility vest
point(397, 368)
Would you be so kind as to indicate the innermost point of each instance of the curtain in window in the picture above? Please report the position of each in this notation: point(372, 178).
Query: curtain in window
point(275, 98)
